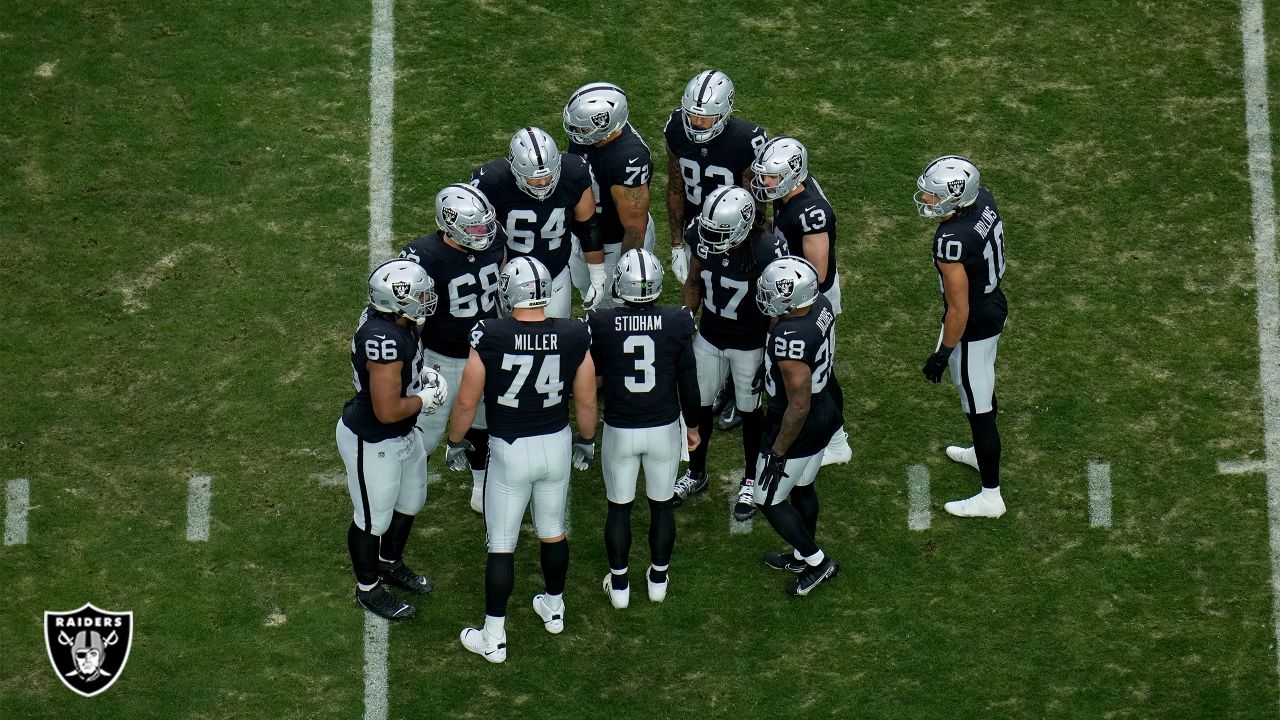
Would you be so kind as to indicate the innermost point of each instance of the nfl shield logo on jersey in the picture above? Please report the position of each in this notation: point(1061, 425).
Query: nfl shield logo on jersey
point(88, 647)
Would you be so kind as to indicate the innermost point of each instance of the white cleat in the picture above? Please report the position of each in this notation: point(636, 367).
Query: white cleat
point(963, 455)
point(552, 620)
point(984, 504)
point(619, 598)
point(477, 499)
point(838, 451)
point(479, 642)
point(657, 591)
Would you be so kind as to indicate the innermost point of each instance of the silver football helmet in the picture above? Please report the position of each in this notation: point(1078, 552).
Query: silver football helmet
point(953, 180)
point(594, 112)
point(402, 287)
point(727, 215)
point(708, 94)
point(637, 278)
point(525, 283)
point(786, 284)
point(534, 156)
point(467, 216)
point(783, 158)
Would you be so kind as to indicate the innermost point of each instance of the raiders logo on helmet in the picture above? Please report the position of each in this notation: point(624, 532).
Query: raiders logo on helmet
point(450, 215)
point(600, 120)
point(785, 287)
point(795, 162)
point(955, 187)
point(747, 211)
point(400, 290)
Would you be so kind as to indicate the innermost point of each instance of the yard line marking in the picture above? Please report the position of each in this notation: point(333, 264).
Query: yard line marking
point(376, 632)
point(1099, 494)
point(382, 93)
point(1241, 467)
point(199, 491)
point(17, 500)
point(736, 526)
point(1258, 129)
point(918, 517)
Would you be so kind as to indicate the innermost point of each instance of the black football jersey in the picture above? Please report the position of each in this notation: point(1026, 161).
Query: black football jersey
point(645, 355)
point(731, 319)
point(467, 285)
point(379, 339)
point(806, 214)
point(623, 161)
point(540, 228)
point(719, 161)
point(808, 339)
point(529, 369)
point(975, 237)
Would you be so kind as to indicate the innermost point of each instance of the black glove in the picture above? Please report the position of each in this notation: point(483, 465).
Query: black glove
point(757, 383)
point(772, 473)
point(937, 363)
point(455, 456)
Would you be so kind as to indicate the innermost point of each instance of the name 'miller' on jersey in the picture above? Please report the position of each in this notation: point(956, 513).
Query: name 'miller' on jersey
point(731, 320)
point(722, 160)
point(808, 339)
point(537, 228)
point(974, 237)
point(645, 355)
point(623, 161)
point(466, 282)
point(379, 339)
point(529, 370)
point(808, 213)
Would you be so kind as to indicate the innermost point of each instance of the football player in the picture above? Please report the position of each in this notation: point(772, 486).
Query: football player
point(463, 260)
point(644, 355)
point(730, 251)
point(706, 148)
point(539, 196)
point(524, 367)
point(968, 254)
point(595, 119)
point(805, 408)
point(386, 463)
point(804, 217)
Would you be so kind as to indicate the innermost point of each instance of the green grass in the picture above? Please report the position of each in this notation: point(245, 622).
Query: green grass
point(183, 229)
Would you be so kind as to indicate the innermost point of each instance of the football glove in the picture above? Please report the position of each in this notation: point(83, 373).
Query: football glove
point(594, 294)
point(455, 456)
point(434, 392)
point(772, 473)
point(937, 363)
point(680, 262)
point(757, 382)
point(583, 451)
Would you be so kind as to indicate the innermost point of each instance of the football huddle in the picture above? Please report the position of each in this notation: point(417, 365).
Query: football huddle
point(469, 340)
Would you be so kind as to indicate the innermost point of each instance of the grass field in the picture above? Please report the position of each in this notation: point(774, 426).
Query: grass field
point(183, 248)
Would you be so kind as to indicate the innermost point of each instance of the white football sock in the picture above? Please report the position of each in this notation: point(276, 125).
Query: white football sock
point(495, 626)
point(815, 559)
point(991, 492)
point(555, 602)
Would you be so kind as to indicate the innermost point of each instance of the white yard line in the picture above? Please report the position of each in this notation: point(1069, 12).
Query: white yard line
point(17, 500)
point(736, 527)
point(1099, 494)
point(1258, 129)
point(376, 631)
point(382, 93)
point(1241, 467)
point(199, 495)
point(382, 90)
point(918, 516)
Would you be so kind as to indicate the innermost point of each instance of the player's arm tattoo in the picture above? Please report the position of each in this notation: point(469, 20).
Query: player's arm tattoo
point(796, 376)
point(633, 213)
point(675, 199)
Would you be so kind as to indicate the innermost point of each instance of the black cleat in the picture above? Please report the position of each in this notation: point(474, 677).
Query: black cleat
point(729, 419)
point(383, 604)
point(687, 486)
point(811, 577)
point(784, 561)
point(400, 575)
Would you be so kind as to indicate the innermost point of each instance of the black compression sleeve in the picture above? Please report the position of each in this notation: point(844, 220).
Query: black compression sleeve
point(588, 232)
